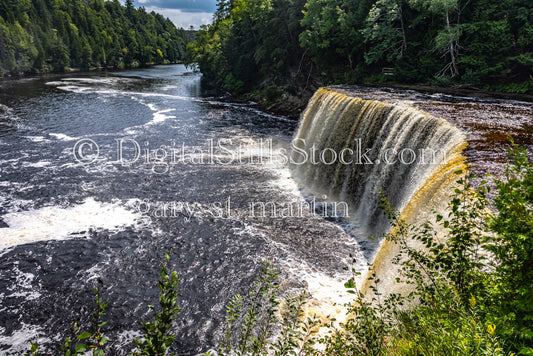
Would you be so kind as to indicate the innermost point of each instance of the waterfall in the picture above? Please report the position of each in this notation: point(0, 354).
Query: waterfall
point(349, 150)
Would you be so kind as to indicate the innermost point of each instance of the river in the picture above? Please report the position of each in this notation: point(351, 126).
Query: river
point(71, 216)
point(101, 174)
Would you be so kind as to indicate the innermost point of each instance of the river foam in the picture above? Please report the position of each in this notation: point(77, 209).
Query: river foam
point(58, 223)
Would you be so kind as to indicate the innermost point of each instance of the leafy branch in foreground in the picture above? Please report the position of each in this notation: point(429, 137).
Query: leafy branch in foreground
point(79, 341)
point(297, 332)
point(251, 321)
point(369, 325)
point(512, 244)
point(34, 349)
point(157, 336)
point(450, 264)
point(473, 285)
point(445, 265)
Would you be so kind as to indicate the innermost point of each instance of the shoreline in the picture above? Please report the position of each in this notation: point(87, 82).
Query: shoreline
point(458, 90)
point(108, 69)
point(292, 106)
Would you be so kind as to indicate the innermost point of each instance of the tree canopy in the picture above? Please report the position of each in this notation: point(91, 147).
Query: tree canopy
point(52, 35)
point(481, 43)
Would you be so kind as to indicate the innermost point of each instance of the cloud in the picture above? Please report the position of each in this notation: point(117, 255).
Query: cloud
point(184, 5)
point(183, 18)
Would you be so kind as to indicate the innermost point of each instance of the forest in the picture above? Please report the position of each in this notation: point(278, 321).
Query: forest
point(275, 46)
point(39, 36)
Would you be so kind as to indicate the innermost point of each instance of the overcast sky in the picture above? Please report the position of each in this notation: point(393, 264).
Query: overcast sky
point(183, 13)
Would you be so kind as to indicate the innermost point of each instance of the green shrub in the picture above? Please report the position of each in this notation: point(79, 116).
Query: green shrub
point(233, 85)
point(512, 244)
point(271, 93)
point(157, 336)
point(79, 342)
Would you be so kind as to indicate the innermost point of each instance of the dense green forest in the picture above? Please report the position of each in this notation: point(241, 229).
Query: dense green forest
point(54, 35)
point(289, 44)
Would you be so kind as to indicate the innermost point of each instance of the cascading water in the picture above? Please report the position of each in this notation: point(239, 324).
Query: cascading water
point(350, 150)
point(65, 224)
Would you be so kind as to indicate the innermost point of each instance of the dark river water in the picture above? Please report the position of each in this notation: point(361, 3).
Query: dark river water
point(101, 174)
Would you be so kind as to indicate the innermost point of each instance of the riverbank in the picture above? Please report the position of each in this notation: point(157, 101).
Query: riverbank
point(68, 70)
point(291, 105)
point(459, 90)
